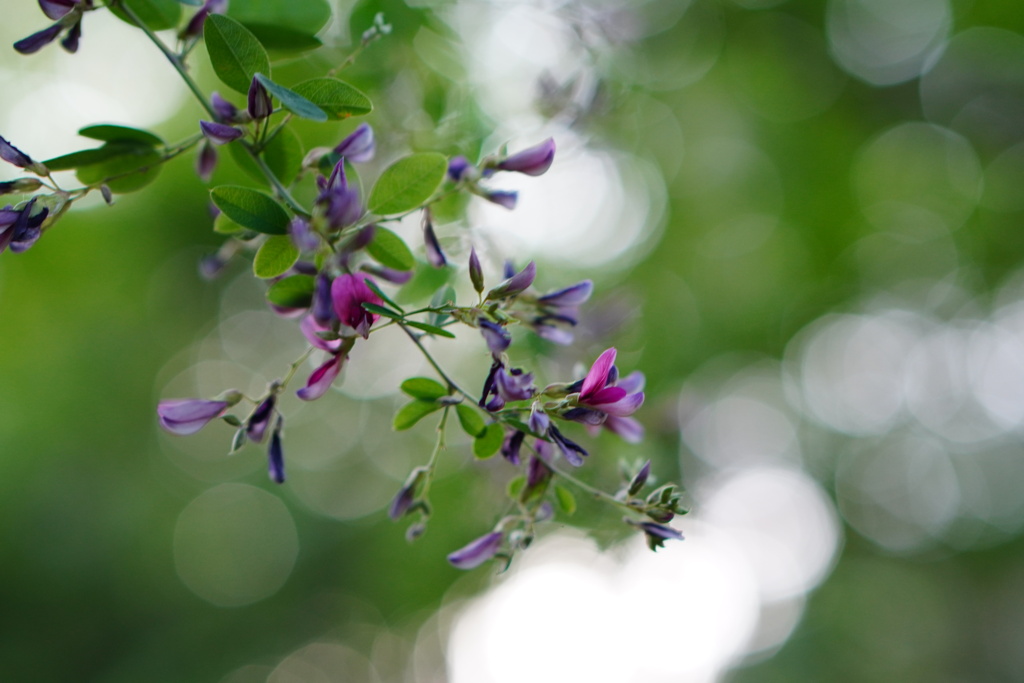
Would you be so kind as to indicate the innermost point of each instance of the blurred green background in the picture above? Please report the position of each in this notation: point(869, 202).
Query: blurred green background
point(803, 219)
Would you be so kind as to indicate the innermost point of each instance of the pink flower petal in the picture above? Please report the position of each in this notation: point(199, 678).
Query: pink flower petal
point(598, 375)
point(321, 379)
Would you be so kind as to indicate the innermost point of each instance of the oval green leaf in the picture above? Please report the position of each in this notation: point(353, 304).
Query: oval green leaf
point(566, 500)
point(292, 101)
point(488, 443)
point(275, 257)
point(225, 226)
point(236, 54)
point(111, 133)
point(283, 155)
point(306, 16)
point(423, 387)
point(251, 209)
point(337, 99)
point(407, 183)
point(295, 291)
point(86, 157)
point(281, 40)
point(129, 167)
point(470, 420)
point(389, 250)
point(413, 412)
point(156, 14)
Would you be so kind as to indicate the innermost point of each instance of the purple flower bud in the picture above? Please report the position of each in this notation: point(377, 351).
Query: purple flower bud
point(537, 473)
point(220, 133)
point(188, 415)
point(211, 265)
point(502, 198)
point(349, 293)
point(515, 284)
point(489, 383)
point(206, 161)
point(38, 40)
point(534, 161)
point(73, 36)
point(194, 28)
point(359, 146)
point(570, 296)
point(322, 378)
point(302, 234)
point(477, 552)
point(458, 167)
point(258, 422)
point(539, 421)
point(323, 305)
point(657, 534)
point(511, 445)
point(20, 229)
point(571, 451)
point(406, 495)
point(342, 207)
point(476, 273)
point(275, 454)
point(225, 110)
point(57, 9)
point(435, 256)
point(20, 186)
point(13, 155)
point(640, 479)
point(260, 104)
point(496, 336)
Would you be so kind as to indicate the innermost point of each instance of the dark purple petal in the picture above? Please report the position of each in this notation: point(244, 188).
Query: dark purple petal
point(489, 383)
point(502, 198)
point(457, 168)
point(597, 378)
point(661, 531)
point(188, 415)
point(624, 407)
point(539, 421)
point(321, 379)
point(275, 455)
point(435, 256)
point(570, 296)
point(303, 236)
point(73, 36)
point(537, 473)
point(511, 445)
point(586, 416)
point(640, 479)
point(626, 427)
point(477, 552)
point(515, 284)
point(534, 161)
point(258, 422)
point(571, 451)
point(13, 155)
point(514, 385)
point(37, 41)
point(476, 273)
point(57, 9)
point(406, 495)
point(398, 277)
point(322, 307)
point(206, 161)
point(220, 133)
point(349, 293)
point(225, 110)
point(359, 146)
point(496, 336)
point(260, 104)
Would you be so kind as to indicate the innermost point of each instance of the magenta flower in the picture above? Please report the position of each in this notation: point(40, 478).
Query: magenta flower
point(359, 146)
point(349, 293)
point(186, 416)
point(322, 378)
point(599, 390)
point(477, 552)
point(533, 161)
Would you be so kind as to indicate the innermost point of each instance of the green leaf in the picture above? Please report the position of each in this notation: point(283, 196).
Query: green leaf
point(280, 40)
point(337, 99)
point(566, 500)
point(423, 387)
point(283, 155)
point(384, 297)
point(295, 291)
point(380, 310)
point(85, 157)
point(225, 226)
point(430, 329)
point(111, 133)
point(413, 412)
point(122, 170)
point(193, 3)
point(407, 183)
point(275, 257)
point(156, 14)
point(488, 443)
point(515, 486)
point(237, 56)
point(251, 209)
point(470, 420)
point(306, 16)
point(292, 101)
point(389, 250)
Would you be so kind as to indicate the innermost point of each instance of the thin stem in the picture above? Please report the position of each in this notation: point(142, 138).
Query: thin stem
point(279, 189)
point(596, 493)
point(294, 367)
point(433, 363)
point(438, 447)
point(171, 57)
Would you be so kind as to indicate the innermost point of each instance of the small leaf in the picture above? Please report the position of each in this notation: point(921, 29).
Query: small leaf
point(407, 183)
point(430, 329)
point(337, 99)
point(292, 101)
point(236, 54)
point(413, 412)
point(238, 441)
point(295, 291)
point(470, 420)
point(380, 310)
point(283, 155)
point(156, 14)
point(111, 133)
point(251, 209)
point(566, 500)
point(384, 297)
point(129, 167)
point(423, 387)
point(308, 16)
point(390, 250)
point(488, 443)
point(515, 487)
point(85, 157)
point(280, 40)
point(225, 226)
point(275, 257)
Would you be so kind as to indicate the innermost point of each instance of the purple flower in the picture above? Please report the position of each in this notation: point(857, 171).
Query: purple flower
point(516, 284)
point(206, 161)
point(458, 167)
point(220, 133)
point(539, 421)
point(599, 390)
point(571, 451)
point(657, 534)
point(13, 155)
point(275, 454)
point(340, 202)
point(257, 424)
point(303, 236)
point(19, 229)
point(72, 37)
point(225, 110)
point(322, 378)
point(349, 293)
point(435, 256)
point(496, 336)
point(57, 9)
point(559, 309)
point(502, 198)
point(260, 104)
point(514, 384)
point(406, 496)
point(38, 40)
point(186, 416)
point(476, 273)
point(477, 552)
point(322, 307)
point(537, 474)
point(359, 146)
point(511, 445)
point(194, 28)
point(533, 161)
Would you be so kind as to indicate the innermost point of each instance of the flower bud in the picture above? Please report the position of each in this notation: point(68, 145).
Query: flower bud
point(476, 273)
point(260, 104)
point(534, 161)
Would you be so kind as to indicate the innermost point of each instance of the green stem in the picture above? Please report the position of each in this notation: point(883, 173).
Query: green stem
point(433, 363)
point(171, 57)
point(596, 493)
point(279, 188)
point(438, 447)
